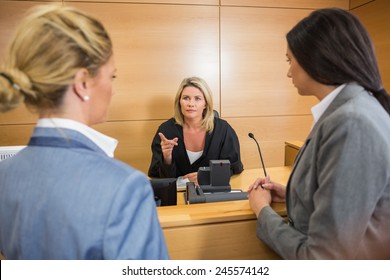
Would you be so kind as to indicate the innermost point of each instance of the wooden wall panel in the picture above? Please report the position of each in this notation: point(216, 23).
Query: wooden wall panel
point(301, 4)
point(20, 115)
point(375, 17)
point(356, 3)
point(183, 2)
point(11, 12)
point(208, 242)
point(156, 46)
point(147, 40)
point(135, 139)
point(253, 63)
point(271, 133)
point(15, 135)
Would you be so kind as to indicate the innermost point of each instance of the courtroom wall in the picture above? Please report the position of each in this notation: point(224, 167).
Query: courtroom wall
point(237, 46)
point(375, 16)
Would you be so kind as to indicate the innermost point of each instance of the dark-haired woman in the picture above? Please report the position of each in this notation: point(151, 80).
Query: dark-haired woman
point(338, 194)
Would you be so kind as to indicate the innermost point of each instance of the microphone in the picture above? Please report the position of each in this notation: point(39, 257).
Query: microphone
point(250, 134)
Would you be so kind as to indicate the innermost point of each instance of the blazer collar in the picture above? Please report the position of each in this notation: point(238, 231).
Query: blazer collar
point(349, 92)
point(66, 134)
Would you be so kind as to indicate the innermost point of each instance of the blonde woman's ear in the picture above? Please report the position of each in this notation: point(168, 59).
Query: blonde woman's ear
point(80, 86)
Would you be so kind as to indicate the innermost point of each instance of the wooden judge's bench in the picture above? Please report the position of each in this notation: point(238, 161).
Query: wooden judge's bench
point(222, 230)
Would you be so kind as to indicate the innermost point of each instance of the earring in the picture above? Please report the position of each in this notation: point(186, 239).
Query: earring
point(85, 98)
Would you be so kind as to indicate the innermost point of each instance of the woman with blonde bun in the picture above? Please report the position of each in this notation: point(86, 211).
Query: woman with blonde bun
point(64, 196)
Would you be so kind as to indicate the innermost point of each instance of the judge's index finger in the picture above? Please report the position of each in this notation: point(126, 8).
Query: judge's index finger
point(162, 137)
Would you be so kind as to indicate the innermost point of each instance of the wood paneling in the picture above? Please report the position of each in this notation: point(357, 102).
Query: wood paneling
point(253, 63)
point(20, 115)
point(135, 139)
point(271, 133)
point(183, 2)
point(156, 46)
point(150, 68)
point(356, 3)
point(375, 17)
point(15, 135)
point(11, 12)
point(210, 242)
point(301, 4)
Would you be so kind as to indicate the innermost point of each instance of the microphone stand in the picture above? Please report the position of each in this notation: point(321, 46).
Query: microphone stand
point(250, 134)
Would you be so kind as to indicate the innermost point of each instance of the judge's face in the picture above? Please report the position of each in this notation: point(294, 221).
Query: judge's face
point(192, 103)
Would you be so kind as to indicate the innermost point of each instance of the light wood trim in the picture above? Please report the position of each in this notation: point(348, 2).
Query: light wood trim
point(288, 4)
point(294, 144)
point(181, 2)
point(356, 3)
point(290, 152)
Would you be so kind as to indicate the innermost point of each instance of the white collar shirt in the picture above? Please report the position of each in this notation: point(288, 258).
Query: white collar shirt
point(321, 107)
point(106, 143)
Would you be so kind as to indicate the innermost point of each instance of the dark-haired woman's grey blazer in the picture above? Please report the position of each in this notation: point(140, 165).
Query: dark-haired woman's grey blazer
point(338, 194)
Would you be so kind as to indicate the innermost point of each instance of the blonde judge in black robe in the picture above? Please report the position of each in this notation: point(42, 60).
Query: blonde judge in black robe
point(194, 136)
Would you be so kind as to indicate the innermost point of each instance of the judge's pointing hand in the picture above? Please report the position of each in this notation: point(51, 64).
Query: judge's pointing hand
point(167, 147)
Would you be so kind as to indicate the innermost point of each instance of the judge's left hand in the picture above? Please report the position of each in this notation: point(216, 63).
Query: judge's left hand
point(193, 177)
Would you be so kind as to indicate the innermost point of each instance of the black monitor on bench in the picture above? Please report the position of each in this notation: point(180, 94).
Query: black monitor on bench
point(165, 191)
